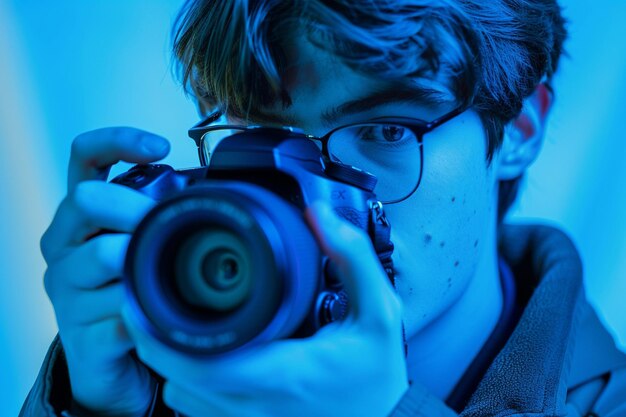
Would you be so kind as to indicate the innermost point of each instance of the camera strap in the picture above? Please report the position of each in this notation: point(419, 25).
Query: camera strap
point(380, 234)
point(379, 231)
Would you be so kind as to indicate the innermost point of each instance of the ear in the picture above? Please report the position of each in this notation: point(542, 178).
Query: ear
point(523, 136)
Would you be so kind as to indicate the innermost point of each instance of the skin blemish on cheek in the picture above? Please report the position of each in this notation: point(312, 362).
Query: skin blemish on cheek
point(442, 244)
point(449, 282)
point(476, 243)
point(428, 238)
point(453, 199)
point(456, 264)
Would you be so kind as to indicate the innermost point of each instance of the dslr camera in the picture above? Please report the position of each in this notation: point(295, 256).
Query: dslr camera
point(225, 261)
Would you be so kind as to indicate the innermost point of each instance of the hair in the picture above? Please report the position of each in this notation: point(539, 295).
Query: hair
point(490, 54)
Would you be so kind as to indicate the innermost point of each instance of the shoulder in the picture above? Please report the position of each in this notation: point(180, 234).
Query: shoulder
point(595, 352)
point(597, 381)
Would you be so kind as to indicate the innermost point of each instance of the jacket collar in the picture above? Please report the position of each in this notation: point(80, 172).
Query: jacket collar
point(531, 372)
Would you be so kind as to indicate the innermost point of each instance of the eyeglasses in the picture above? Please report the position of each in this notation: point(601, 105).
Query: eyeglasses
point(391, 148)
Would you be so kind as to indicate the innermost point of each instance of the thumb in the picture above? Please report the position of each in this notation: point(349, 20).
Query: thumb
point(372, 299)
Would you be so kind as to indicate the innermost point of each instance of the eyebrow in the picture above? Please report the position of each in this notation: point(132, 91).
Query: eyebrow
point(396, 94)
point(393, 94)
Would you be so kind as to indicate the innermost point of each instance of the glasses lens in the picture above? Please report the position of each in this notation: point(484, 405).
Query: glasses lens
point(388, 151)
point(212, 138)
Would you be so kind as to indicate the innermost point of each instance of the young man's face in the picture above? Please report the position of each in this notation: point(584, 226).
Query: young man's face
point(444, 234)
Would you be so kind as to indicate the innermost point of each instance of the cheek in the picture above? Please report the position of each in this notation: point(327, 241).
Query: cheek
point(439, 231)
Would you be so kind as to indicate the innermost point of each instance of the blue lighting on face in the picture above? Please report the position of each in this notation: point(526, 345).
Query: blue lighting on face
point(75, 66)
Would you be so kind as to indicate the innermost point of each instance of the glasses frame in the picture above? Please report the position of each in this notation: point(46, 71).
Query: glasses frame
point(419, 128)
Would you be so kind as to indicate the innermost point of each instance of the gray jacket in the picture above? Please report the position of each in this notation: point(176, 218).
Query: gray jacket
point(558, 361)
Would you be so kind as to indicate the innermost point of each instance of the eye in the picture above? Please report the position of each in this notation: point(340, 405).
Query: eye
point(392, 133)
point(382, 133)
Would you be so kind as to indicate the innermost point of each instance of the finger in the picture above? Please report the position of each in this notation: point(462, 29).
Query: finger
point(84, 308)
point(236, 373)
point(94, 152)
point(373, 301)
point(103, 342)
point(92, 265)
point(264, 370)
point(94, 205)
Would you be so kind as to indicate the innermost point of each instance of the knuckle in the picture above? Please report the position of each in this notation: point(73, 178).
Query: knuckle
point(49, 284)
point(49, 239)
point(45, 246)
point(102, 251)
point(98, 249)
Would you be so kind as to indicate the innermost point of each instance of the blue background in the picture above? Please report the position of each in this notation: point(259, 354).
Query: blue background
point(71, 66)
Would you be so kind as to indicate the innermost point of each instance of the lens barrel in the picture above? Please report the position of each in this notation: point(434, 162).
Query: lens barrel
point(222, 266)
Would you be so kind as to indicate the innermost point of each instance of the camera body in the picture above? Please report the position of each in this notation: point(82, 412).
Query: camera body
point(225, 261)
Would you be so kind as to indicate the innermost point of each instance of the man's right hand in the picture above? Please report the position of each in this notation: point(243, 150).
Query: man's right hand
point(83, 275)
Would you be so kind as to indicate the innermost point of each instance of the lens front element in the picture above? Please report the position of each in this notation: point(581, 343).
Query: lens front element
point(222, 266)
point(213, 270)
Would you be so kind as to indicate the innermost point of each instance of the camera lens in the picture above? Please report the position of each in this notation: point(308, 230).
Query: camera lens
point(222, 266)
point(213, 270)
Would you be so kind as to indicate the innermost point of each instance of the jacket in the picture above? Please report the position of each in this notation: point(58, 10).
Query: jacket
point(558, 361)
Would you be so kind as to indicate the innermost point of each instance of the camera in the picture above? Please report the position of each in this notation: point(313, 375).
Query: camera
point(225, 261)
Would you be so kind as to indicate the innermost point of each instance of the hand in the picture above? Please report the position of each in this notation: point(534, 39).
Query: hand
point(351, 368)
point(83, 274)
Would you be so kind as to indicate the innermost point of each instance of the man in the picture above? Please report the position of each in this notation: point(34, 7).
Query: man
point(492, 315)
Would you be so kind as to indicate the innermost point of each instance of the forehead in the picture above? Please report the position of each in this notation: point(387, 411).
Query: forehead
point(321, 85)
point(318, 77)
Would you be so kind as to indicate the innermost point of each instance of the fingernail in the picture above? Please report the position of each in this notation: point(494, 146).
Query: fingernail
point(155, 145)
